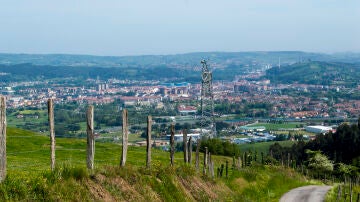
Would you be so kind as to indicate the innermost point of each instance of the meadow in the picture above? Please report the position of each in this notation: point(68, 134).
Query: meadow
point(263, 146)
point(279, 126)
point(29, 176)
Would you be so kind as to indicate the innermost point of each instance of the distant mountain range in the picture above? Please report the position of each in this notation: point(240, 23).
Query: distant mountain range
point(190, 59)
point(296, 67)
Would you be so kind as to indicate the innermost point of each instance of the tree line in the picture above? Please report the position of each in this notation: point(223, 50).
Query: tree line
point(341, 148)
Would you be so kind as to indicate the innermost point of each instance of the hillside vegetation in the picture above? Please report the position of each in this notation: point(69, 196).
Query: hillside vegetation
point(29, 177)
point(182, 67)
point(29, 72)
point(187, 59)
point(318, 73)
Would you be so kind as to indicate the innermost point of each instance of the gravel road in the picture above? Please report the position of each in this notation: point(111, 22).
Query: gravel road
point(310, 193)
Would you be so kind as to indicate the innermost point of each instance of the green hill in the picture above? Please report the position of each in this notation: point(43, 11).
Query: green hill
point(30, 179)
point(187, 58)
point(320, 73)
point(181, 67)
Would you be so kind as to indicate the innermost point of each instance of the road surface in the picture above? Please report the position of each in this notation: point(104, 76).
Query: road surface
point(310, 193)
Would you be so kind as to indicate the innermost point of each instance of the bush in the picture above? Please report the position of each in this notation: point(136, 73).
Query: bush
point(219, 147)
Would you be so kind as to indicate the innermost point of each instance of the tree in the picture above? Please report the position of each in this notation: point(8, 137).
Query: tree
point(219, 147)
point(73, 127)
point(60, 130)
point(178, 126)
point(342, 170)
point(318, 162)
point(221, 125)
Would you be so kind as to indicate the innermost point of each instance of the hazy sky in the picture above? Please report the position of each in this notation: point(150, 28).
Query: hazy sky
point(124, 27)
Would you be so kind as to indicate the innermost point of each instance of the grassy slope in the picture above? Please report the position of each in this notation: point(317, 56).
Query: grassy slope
point(344, 195)
point(263, 146)
point(29, 177)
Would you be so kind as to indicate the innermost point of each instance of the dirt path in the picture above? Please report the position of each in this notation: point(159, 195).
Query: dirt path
point(310, 193)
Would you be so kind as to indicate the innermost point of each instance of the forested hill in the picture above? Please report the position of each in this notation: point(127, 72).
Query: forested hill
point(192, 59)
point(27, 72)
point(321, 73)
point(31, 72)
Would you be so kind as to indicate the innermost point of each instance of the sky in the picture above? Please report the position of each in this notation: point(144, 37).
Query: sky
point(153, 27)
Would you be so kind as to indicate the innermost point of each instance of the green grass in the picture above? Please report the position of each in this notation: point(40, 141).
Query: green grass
point(26, 149)
point(31, 123)
point(264, 183)
point(263, 146)
point(29, 176)
point(344, 193)
point(30, 150)
point(280, 126)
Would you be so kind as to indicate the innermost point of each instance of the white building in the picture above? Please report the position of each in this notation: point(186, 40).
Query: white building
point(179, 137)
point(318, 129)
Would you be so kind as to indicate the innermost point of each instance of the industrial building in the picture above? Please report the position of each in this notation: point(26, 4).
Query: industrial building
point(318, 129)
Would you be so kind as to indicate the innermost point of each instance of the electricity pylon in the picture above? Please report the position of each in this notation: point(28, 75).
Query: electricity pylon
point(207, 122)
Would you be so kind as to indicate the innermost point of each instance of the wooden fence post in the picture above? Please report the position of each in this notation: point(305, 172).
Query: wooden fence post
point(124, 137)
point(185, 149)
point(338, 197)
point(302, 168)
point(239, 162)
point(205, 160)
point(351, 190)
point(90, 137)
point(209, 161)
point(246, 159)
point(2, 138)
point(172, 146)
point(234, 163)
point(221, 170)
point(190, 150)
point(227, 168)
point(211, 167)
point(288, 160)
point(197, 155)
point(52, 133)
point(148, 142)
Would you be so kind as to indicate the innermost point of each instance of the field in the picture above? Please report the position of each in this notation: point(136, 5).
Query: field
point(279, 126)
point(263, 146)
point(34, 120)
point(31, 150)
point(29, 176)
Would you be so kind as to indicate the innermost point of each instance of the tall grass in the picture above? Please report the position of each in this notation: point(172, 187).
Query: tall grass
point(264, 183)
point(344, 194)
point(30, 179)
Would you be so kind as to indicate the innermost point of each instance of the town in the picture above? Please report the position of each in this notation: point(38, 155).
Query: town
point(252, 100)
point(279, 99)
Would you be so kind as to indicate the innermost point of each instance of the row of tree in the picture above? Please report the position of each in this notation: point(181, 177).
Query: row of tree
point(340, 147)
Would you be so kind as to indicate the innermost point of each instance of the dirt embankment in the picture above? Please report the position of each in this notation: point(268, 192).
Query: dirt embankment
point(102, 188)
